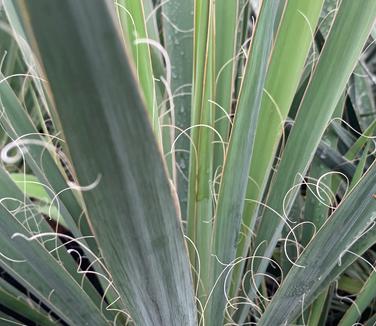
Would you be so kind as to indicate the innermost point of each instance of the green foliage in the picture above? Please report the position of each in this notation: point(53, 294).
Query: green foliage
point(185, 162)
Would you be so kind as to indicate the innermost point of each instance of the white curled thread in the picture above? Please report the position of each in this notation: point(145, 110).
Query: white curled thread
point(287, 238)
point(372, 138)
point(162, 50)
point(20, 75)
point(12, 259)
point(226, 114)
point(155, 10)
point(253, 274)
point(110, 282)
point(3, 59)
point(197, 126)
point(227, 269)
point(215, 284)
point(181, 94)
point(22, 207)
point(285, 221)
point(167, 85)
point(175, 26)
point(88, 187)
point(346, 297)
point(20, 145)
point(367, 228)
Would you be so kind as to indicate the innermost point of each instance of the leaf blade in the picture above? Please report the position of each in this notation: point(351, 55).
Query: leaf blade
point(152, 273)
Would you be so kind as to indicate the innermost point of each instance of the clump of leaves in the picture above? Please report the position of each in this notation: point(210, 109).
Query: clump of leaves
point(191, 162)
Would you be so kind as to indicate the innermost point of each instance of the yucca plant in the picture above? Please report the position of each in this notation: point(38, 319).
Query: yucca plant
point(188, 162)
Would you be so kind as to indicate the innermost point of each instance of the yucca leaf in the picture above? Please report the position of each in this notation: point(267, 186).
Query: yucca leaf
point(153, 23)
point(22, 41)
point(150, 18)
point(318, 308)
point(291, 48)
point(105, 124)
point(226, 59)
point(30, 185)
point(235, 171)
point(317, 211)
point(361, 141)
point(361, 166)
point(132, 20)
point(316, 208)
point(349, 284)
point(177, 18)
point(200, 195)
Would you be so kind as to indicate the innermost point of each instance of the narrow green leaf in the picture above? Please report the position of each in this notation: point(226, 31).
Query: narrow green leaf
point(132, 21)
point(226, 55)
point(30, 185)
point(318, 200)
point(200, 196)
point(361, 141)
point(317, 309)
point(317, 211)
point(28, 56)
point(234, 178)
point(32, 188)
point(291, 48)
point(361, 165)
point(131, 209)
point(349, 284)
point(150, 18)
point(177, 18)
